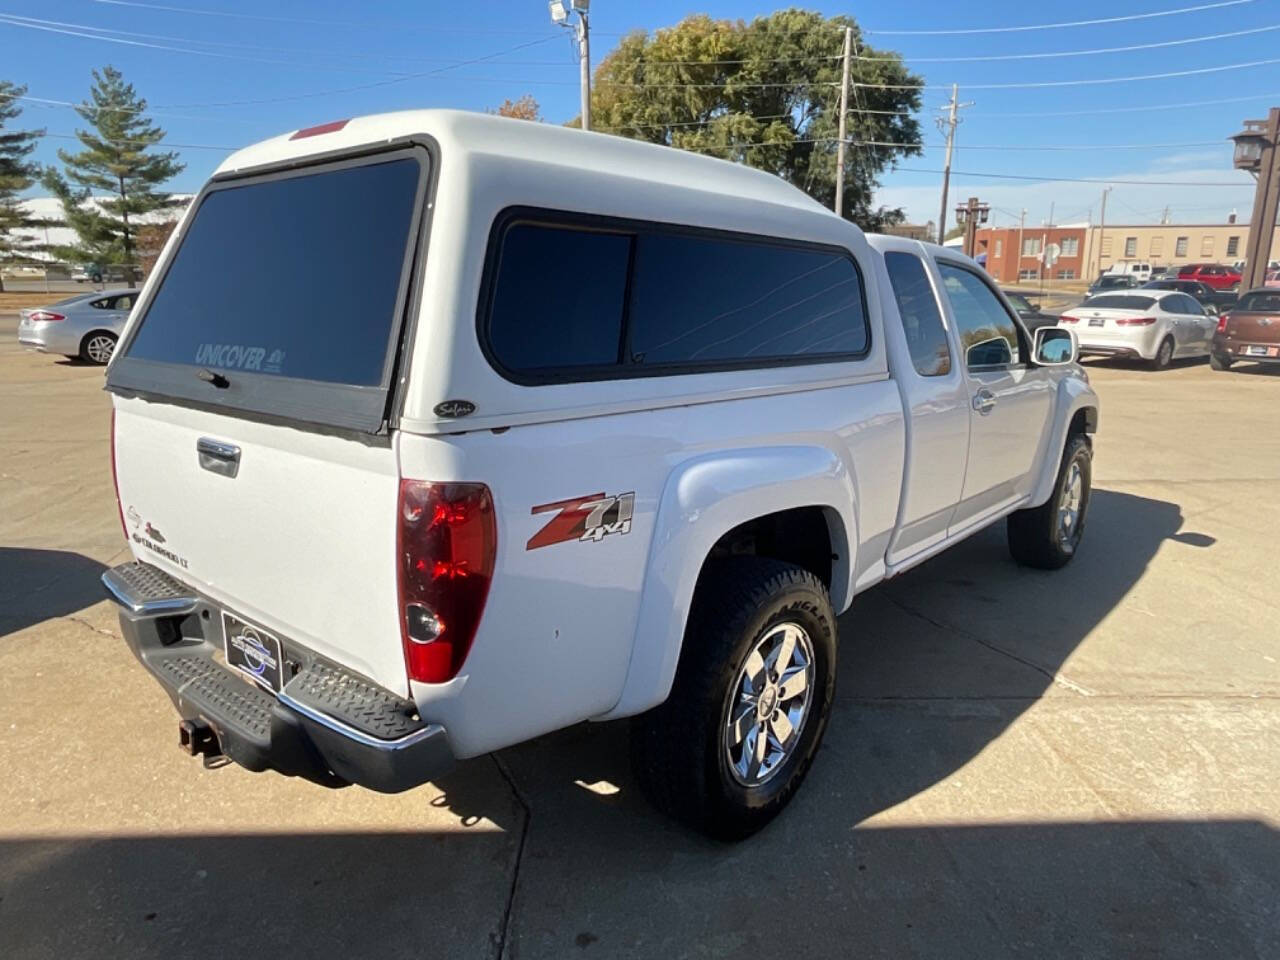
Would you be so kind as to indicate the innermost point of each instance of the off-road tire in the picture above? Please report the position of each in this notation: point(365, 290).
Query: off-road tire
point(1217, 362)
point(1162, 359)
point(677, 748)
point(1033, 533)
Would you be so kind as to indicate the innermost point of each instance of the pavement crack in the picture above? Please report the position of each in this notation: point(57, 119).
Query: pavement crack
point(86, 624)
point(1052, 676)
point(509, 908)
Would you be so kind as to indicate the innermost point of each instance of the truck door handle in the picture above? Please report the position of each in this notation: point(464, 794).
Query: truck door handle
point(218, 457)
point(984, 401)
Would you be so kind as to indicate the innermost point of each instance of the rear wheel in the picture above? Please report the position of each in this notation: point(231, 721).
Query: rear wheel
point(732, 743)
point(97, 347)
point(1047, 536)
point(1219, 362)
point(1164, 355)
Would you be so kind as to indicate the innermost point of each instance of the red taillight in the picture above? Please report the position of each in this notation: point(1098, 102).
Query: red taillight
point(1222, 322)
point(447, 542)
point(1135, 321)
point(1068, 319)
point(45, 315)
point(115, 478)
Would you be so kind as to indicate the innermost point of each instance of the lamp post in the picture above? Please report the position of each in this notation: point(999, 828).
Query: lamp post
point(1258, 151)
point(970, 215)
point(560, 10)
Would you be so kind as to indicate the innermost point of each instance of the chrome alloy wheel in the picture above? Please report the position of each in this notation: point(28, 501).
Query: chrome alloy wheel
point(99, 348)
point(1069, 507)
point(768, 704)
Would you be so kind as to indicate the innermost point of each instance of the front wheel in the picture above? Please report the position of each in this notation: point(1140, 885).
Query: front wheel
point(1047, 536)
point(749, 704)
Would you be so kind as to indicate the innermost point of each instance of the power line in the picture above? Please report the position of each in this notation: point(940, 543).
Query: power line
point(1142, 109)
point(1075, 53)
point(1043, 179)
point(1063, 146)
point(1082, 82)
point(148, 143)
point(1044, 26)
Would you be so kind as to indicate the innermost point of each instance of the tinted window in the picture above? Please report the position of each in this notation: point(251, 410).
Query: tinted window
point(699, 299)
point(921, 321)
point(1190, 306)
point(544, 318)
point(981, 320)
point(297, 276)
point(1259, 303)
point(1172, 304)
point(1121, 301)
point(648, 297)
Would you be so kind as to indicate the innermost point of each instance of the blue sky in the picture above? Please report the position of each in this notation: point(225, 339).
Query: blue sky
point(201, 73)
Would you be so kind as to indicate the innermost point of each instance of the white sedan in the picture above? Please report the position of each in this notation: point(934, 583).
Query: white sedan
point(1153, 325)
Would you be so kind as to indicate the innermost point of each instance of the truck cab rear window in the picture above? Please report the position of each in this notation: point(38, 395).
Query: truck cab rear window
point(649, 299)
point(297, 276)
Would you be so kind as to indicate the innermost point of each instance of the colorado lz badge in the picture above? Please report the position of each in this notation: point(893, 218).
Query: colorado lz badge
point(586, 519)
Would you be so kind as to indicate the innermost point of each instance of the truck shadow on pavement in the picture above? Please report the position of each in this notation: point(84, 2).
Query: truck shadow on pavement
point(38, 585)
point(935, 666)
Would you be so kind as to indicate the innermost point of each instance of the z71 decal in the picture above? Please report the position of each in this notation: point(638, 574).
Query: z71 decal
point(589, 518)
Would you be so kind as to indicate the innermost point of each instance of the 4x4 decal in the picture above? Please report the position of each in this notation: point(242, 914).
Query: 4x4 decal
point(589, 518)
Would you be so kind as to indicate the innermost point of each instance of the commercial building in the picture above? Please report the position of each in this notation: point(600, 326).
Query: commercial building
point(1013, 253)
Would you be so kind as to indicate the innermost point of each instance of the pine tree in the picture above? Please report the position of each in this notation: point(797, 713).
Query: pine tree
point(17, 173)
point(115, 160)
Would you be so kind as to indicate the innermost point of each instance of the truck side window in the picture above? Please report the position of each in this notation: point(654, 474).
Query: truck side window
point(706, 300)
point(921, 321)
point(542, 321)
point(980, 318)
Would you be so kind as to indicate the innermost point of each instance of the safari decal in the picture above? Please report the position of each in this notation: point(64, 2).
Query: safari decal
point(586, 519)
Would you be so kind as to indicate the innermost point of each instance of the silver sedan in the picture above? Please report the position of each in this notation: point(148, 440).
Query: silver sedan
point(85, 326)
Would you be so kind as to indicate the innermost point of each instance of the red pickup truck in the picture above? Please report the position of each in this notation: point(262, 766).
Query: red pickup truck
point(1212, 274)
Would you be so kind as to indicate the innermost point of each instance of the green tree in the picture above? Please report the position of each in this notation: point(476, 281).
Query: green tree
point(17, 173)
point(766, 93)
point(117, 160)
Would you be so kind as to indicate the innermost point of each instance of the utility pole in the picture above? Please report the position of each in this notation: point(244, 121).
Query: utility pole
point(1051, 206)
point(560, 10)
point(1102, 226)
point(1258, 151)
point(844, 113)
point(1022, 225)
point(948, 125)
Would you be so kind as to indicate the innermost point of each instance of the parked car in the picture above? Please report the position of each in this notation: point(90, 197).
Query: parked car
point(1251, 331)
point(85, 326)
point(1212, 300)
point(381, 557)
point(1032, 316)
point(110, 273)
point(1109, 283)
point(1152, 325)
point(1211, 274)
point(1139, 270)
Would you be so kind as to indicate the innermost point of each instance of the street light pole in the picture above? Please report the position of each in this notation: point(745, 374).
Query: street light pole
point(844, 113)
point(560, 10)
point(584, 61)
point(1102, 225)
point(1258, 151)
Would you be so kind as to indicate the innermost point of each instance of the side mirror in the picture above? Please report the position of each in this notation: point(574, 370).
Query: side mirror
point(1055, 347)
point(993, 352)
point(1211, 309)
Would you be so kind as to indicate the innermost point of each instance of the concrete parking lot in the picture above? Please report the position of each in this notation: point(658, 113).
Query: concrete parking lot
point(1020, 764)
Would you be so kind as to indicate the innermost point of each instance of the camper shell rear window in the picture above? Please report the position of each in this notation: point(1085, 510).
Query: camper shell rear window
point(287, 293)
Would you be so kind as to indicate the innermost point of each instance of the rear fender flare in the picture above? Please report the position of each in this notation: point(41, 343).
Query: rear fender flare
point(703, 499)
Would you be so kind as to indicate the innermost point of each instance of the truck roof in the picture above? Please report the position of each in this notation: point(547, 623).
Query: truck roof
point(560, 151)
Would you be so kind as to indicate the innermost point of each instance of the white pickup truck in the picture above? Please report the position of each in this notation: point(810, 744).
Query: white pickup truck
point(434, 432)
